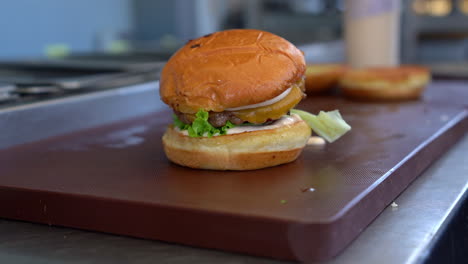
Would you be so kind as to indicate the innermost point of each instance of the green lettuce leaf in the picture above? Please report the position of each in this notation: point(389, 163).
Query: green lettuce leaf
point(201, 127)
point(179, 124)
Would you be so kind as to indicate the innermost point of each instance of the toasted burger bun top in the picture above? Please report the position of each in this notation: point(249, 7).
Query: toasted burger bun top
point(230, 69)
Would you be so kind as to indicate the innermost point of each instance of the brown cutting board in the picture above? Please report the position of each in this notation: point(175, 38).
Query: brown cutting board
point(117, 179)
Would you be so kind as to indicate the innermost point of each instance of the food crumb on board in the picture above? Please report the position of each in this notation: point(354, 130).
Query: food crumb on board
point(316, 141)
point(444, 118)
point(394, 205)
point(310, 189)
point(283, 201)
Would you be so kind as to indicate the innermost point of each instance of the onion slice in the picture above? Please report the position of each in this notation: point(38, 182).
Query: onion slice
point(267, 102)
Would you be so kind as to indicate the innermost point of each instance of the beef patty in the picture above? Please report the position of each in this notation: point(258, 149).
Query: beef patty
point(216, 119)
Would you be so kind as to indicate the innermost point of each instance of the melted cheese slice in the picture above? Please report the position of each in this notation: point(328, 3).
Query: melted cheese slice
point(273, 111)
point(269, 110)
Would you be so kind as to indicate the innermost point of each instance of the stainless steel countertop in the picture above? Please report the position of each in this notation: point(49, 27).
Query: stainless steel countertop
point(400, 234)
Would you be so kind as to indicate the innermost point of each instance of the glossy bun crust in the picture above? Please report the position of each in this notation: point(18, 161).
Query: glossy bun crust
point(385, 84)
point(230, 69)
point(244, 151)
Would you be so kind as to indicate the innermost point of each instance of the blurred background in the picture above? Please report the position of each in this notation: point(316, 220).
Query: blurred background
point(431, 30)
point(53, 48)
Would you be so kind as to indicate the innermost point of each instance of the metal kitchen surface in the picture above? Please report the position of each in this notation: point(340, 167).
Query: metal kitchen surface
point(26, 82)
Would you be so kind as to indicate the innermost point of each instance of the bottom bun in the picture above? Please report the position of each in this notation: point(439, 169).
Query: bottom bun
point(244, 151)
point(398, 94)
point(393, 83)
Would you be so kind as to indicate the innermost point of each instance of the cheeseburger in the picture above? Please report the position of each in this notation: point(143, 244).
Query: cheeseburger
point(231, 93)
